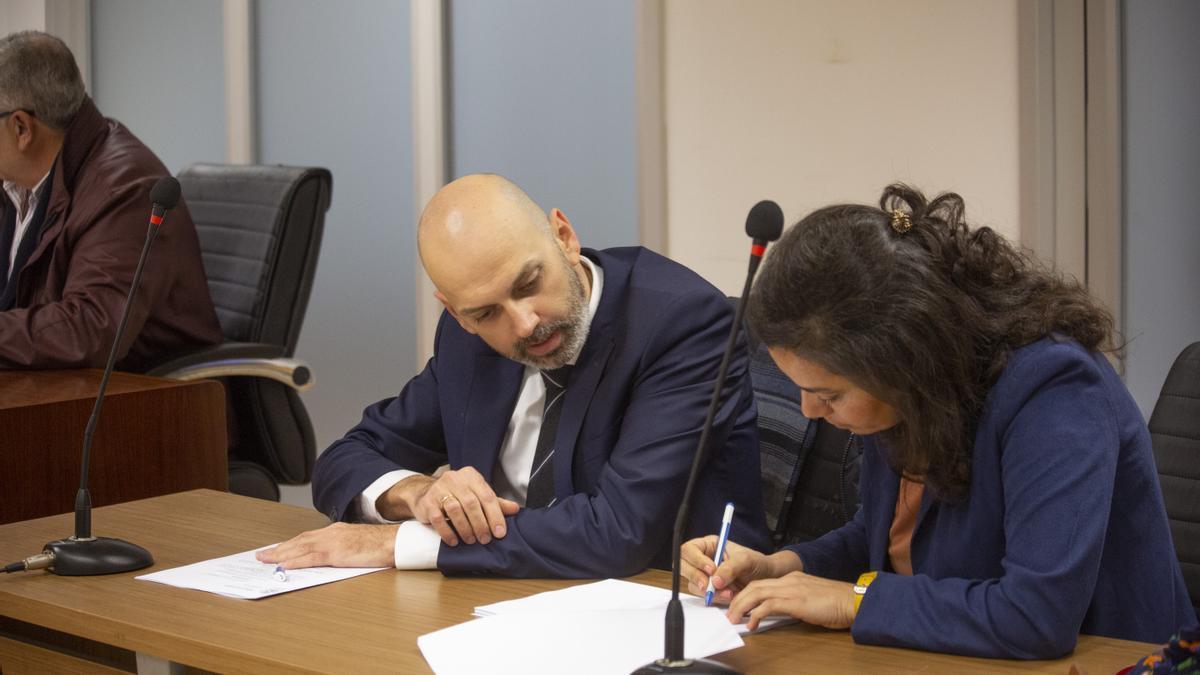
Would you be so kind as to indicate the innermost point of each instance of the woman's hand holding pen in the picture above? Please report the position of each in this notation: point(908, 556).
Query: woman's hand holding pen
point(756, 585)
point(741, 566)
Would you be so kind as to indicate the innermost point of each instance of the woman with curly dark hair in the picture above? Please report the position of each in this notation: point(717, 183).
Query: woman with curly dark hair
point(1009, 493)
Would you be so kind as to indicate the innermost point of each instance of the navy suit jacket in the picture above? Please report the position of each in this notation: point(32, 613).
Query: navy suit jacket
point(632, 417)
point(1064, 530)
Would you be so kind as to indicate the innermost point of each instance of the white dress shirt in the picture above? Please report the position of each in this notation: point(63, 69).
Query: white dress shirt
point(26, 202)
point(417, 544)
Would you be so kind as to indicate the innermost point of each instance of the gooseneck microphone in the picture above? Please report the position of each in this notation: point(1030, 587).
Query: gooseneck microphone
point(82, 554)
point(764, 224)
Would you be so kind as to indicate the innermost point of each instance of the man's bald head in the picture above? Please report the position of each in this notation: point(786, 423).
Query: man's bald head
point(477, 207)
point(506, 270)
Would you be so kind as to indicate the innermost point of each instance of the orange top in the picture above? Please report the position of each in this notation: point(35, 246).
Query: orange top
point(908, 506)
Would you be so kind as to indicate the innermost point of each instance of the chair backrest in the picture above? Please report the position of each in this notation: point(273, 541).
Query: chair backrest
point(1175, 431)
point(260, 232)
point(826, 494)
point(809, 467)
point(785, 435)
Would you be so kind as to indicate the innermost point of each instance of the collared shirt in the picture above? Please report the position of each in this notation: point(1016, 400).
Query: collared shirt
point(417, 544)
point(26, 203)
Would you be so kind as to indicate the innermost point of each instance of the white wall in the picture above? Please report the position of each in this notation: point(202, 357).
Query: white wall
point(809, 103)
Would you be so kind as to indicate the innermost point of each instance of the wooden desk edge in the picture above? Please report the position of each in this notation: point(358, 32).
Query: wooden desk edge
point(1101, 653)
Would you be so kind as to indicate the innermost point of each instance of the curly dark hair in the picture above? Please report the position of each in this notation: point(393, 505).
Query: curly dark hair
point(923, 320)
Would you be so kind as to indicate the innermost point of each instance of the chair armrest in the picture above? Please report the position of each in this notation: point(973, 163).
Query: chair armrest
point(239, 359)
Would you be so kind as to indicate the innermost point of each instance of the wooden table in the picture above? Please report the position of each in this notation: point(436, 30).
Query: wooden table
point(156, 436)
point(365, 624)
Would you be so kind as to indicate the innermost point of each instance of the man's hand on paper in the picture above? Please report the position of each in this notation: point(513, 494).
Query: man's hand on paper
point(337, 545)
point(457, 504)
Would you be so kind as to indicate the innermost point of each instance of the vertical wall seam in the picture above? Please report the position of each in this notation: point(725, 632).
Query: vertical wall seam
point(238, 48)
point(431, 140)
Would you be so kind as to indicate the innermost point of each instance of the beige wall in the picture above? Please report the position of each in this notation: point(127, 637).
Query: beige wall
point(809, 102)
point(18, 15)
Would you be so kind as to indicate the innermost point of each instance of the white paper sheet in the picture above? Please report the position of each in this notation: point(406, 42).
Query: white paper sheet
point(614, 641)
point(615, 594)
point(242, 576)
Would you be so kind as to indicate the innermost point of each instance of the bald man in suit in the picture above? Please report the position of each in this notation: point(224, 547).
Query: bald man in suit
point(567, 393)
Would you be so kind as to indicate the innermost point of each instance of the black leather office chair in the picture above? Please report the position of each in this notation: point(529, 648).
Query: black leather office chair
point(1175, 431)
point(260, 234)
point(809, 467)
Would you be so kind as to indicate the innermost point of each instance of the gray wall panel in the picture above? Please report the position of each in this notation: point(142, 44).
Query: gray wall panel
point(158, 68)
point(543, 92)
point(334, 90)
point(1162, 172)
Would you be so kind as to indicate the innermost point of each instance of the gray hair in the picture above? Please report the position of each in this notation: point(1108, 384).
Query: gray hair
point(38, 74)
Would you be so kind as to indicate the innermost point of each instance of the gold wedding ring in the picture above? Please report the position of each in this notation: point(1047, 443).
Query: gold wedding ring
point(442, 503)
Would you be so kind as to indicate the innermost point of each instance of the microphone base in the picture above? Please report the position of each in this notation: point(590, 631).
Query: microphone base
point(685, 666)
point(99, 555)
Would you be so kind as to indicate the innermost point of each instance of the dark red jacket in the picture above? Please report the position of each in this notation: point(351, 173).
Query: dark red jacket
point(71, 290)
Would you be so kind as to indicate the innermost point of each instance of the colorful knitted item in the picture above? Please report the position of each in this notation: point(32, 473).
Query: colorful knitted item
point(1180, 655)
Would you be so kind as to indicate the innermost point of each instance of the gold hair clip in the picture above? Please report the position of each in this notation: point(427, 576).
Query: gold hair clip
point(901, 222)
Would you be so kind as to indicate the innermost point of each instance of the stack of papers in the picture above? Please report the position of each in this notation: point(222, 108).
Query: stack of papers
point(241, 575)
point(603, 627)
point(616, 641)
point(614, 594)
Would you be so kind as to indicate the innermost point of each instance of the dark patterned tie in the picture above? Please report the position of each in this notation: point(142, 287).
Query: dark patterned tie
point(541, 477)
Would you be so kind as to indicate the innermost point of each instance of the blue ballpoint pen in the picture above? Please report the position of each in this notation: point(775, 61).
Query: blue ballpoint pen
point(726, 521)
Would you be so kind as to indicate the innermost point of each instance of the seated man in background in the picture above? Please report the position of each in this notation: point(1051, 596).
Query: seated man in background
point(567, 392)
point(73, 219)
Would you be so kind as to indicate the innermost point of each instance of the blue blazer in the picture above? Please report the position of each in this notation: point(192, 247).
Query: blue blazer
point(632, 414)
point(1063, 532)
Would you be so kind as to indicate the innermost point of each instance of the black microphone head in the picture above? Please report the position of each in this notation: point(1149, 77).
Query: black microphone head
point(165, 193)
point(765, 222)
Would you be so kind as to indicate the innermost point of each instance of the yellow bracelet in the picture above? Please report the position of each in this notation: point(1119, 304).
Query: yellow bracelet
point(860, 588)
